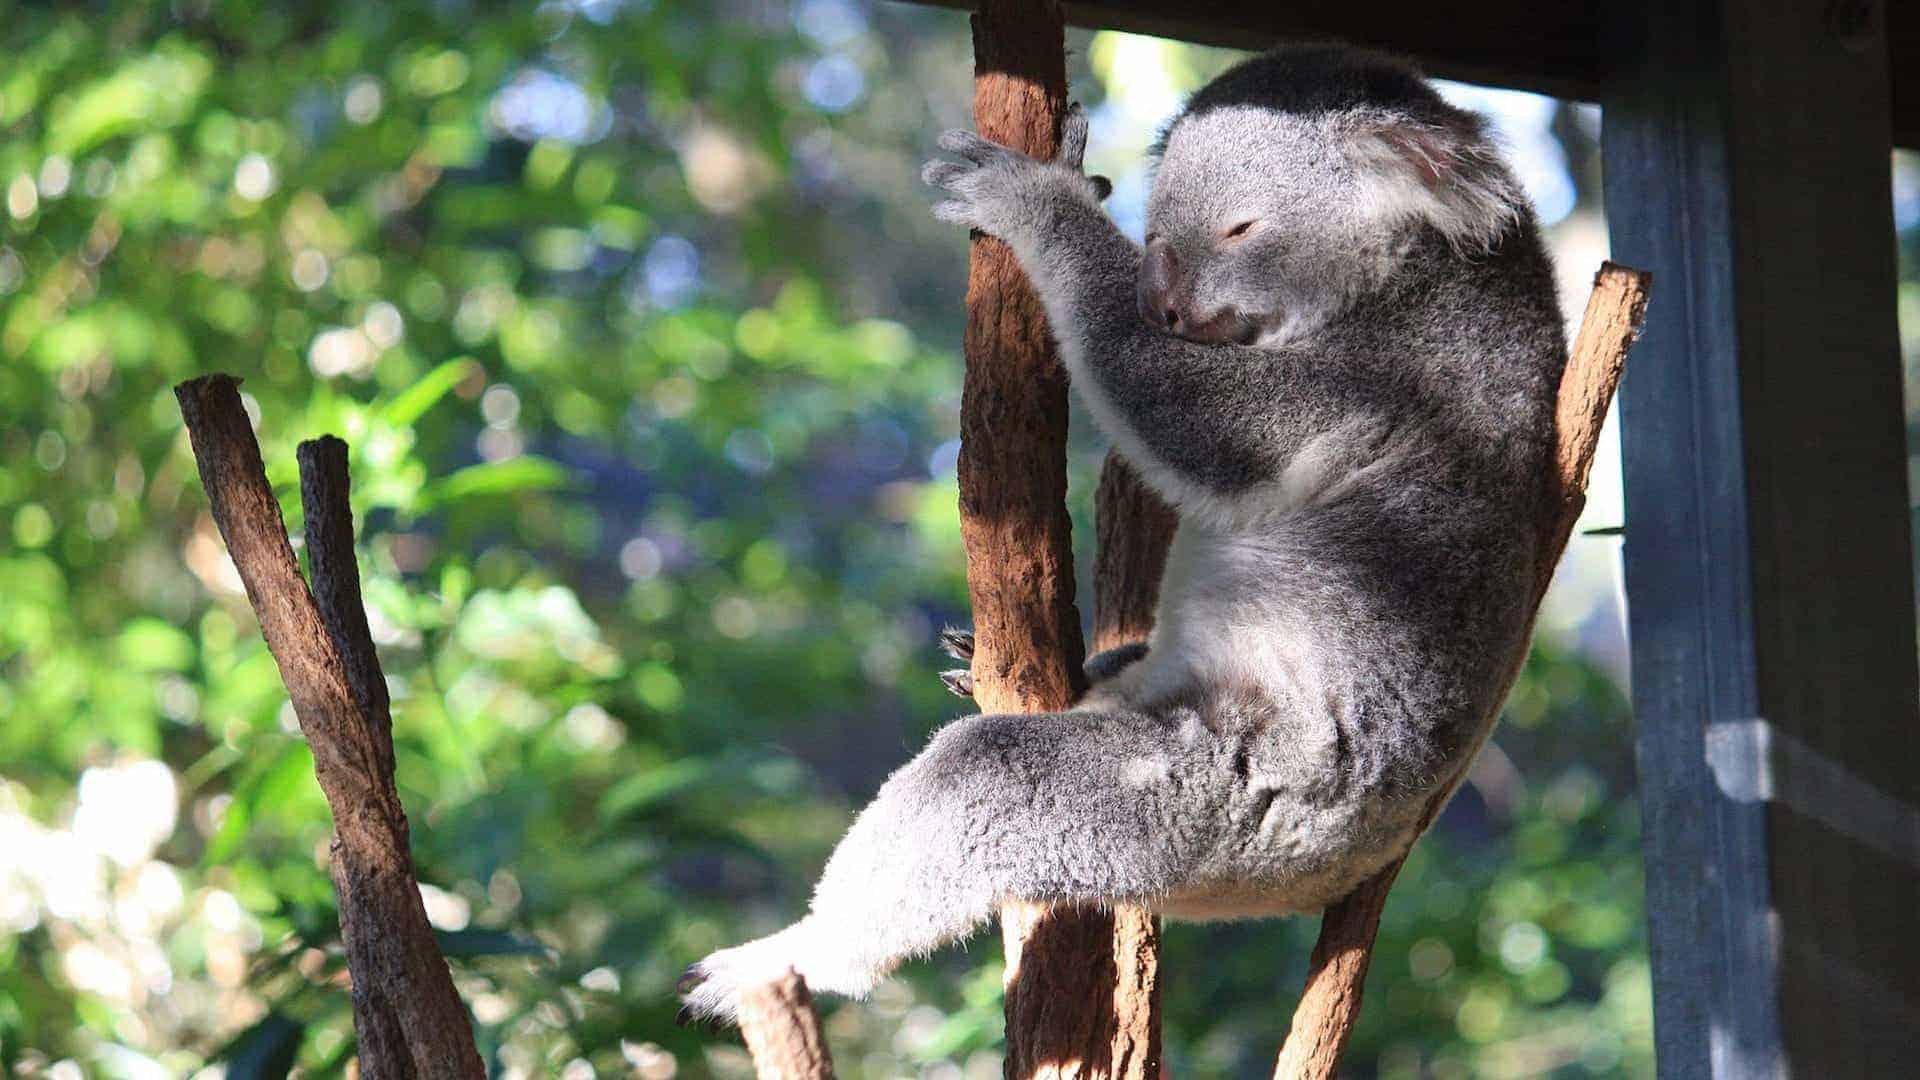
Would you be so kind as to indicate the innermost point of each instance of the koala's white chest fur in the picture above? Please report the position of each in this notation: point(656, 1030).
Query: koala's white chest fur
point(1224, 620)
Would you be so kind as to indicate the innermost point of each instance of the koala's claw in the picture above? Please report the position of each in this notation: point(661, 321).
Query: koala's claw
point(939, 173)
point(689, 981)
point(957, 643)
point(959, 682)
point(695, 974)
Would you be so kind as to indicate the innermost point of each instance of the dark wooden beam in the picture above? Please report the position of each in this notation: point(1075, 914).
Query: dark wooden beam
point(1551, 48)
point(1559, 48)
point(1768, 557)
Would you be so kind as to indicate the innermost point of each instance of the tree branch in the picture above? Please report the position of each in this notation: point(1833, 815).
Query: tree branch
point(783, 1032)
point(1330, 1005)
point(325, 487)
point(408, 1017)
point(1081, 984)
point(1013, 409)
point(1134, 529)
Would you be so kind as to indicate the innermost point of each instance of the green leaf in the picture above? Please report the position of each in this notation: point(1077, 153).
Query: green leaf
point(232, 833)
point(642, 790)
point(413, 402)
point(509, 477)
point(148, 644)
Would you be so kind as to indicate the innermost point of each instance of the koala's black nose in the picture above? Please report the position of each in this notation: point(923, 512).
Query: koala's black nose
point(1157, 273)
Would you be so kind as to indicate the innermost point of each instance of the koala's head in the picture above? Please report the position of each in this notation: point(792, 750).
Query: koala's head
point(1296, 182)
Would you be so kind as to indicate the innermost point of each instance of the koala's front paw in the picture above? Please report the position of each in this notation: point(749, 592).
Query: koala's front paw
point(989, 190)
point(1006, 193)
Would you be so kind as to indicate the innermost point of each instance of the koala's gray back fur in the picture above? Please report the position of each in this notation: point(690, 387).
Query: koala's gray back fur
point(1358, 443)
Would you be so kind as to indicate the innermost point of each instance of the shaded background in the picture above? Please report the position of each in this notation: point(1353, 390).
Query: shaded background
point(646, 346)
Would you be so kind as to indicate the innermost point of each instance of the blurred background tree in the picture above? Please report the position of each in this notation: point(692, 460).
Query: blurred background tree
point(646, 347)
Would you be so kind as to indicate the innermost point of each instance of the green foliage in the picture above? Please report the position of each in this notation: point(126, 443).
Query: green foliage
point(643, 344)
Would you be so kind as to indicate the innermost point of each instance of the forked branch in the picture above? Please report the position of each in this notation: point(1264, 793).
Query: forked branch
point(409, 1019)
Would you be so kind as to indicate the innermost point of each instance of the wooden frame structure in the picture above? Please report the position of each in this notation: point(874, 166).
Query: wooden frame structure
point(1768, 558)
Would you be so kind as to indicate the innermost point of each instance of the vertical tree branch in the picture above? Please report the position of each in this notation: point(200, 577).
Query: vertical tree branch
point(410, 1020)
point(1061, 963)
point(1330, 1005)
point(783, 1032)
point(325, 487)
point(1013, 410)
point(1134, 529)
point(1082, 985)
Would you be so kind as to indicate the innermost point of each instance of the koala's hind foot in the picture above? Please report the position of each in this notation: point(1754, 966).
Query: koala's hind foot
point(958, 644)
point(1105, 665)
point(712, 988)
point(1100, 667)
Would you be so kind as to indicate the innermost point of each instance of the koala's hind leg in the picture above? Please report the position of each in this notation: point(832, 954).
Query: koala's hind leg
point(1069, 807)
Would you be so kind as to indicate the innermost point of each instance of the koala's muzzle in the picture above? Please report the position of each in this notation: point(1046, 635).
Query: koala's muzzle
point(1169, 308)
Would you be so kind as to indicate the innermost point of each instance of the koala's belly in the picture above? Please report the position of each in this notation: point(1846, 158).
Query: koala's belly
point(1233, 614)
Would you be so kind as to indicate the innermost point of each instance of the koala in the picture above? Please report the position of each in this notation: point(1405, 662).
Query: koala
point(1336, 355)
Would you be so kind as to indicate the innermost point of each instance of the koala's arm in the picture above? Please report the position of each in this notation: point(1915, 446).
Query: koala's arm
point(1211, 419)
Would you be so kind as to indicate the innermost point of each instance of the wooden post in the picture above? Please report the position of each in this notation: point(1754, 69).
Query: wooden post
point(1086, 1000)
point(1013, 409)
point(408, 1017)
point(1768, 559)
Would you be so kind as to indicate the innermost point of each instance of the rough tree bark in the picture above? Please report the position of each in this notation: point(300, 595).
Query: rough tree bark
point(783, 1032)
point(1134, 528)
point(1328, 1008)
point(408, 1017)
point(1013, 408)
point(1080, 982)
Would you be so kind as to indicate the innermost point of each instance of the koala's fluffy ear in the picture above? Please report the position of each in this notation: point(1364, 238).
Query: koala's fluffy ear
point(1446, 173)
